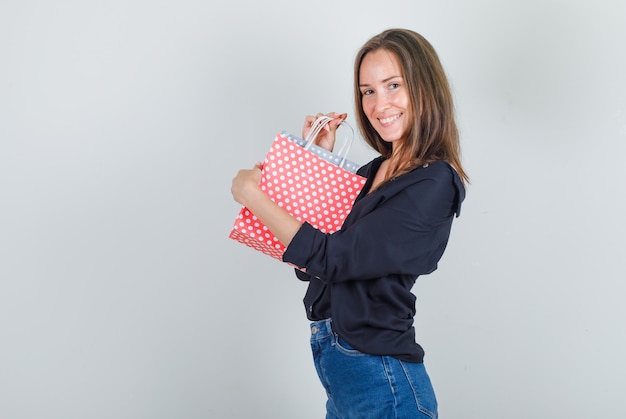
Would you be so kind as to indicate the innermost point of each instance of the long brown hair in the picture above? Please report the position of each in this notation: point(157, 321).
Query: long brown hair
point(433, 134)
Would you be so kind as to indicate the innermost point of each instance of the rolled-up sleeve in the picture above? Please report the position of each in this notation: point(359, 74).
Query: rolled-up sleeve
point(402, 233)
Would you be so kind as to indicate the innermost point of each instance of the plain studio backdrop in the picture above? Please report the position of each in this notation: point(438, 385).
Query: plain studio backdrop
point(122, 124)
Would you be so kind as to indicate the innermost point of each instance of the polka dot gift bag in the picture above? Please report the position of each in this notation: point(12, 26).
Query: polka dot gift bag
point(309, 182)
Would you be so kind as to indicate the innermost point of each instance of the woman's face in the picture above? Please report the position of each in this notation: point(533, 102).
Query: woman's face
point(385, 96)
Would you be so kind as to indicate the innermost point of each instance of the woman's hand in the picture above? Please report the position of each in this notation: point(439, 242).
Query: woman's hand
point(246, 190)
point(245, 185)
point(326, 137)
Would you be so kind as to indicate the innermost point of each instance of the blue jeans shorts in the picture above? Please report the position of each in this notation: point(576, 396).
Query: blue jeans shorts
point(366, 386)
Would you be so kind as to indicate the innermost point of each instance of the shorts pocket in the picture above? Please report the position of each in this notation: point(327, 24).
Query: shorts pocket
point(345, 348)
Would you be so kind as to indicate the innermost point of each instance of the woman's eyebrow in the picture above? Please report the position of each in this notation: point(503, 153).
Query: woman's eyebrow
point(383, 81)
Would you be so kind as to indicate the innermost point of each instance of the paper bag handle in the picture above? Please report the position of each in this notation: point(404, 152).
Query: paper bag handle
point(317, 126)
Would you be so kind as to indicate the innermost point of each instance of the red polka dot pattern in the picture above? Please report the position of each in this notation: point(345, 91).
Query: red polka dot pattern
point(308, 187)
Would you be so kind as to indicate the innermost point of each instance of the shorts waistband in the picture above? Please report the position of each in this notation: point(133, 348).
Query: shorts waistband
point(321, 329)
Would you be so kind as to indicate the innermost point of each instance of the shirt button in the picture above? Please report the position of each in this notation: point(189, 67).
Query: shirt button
point(314, 330)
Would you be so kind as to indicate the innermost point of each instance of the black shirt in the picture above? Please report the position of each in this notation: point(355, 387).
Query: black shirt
point(361, 276)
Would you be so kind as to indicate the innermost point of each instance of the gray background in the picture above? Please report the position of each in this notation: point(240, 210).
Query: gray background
point(122, 124)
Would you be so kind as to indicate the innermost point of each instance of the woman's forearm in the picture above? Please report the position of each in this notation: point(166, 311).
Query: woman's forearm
point(276, 219)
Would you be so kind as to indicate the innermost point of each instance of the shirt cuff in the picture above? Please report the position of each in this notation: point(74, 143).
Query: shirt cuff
point(298, 251)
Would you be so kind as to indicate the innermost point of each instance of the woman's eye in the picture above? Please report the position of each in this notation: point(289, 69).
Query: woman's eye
point(394, 85)
point(367, 92)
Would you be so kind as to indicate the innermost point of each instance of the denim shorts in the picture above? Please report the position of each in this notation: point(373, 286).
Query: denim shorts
point(366, 386)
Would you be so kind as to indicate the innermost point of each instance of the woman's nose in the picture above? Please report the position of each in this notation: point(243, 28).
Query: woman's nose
point(382, 102)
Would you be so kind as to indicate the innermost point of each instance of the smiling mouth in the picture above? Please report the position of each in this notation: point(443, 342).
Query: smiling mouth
point(390, 119)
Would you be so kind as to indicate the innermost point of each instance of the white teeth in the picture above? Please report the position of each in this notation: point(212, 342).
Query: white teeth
point(390, 119)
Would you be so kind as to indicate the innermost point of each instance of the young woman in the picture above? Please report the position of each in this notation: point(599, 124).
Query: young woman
point(359, 297)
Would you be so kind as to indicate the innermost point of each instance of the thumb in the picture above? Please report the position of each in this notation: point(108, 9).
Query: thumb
point(338, 120)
